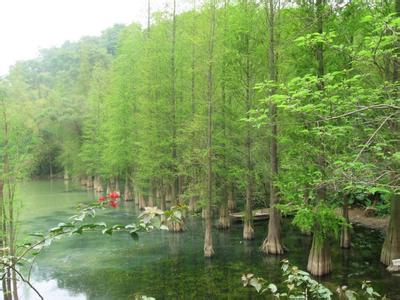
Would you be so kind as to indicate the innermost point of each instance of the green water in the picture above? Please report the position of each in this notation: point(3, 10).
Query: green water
point(170, 266)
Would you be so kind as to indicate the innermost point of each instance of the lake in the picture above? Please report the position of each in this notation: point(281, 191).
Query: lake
point(168, 265)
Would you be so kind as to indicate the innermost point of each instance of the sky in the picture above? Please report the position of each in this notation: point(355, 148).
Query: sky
point(29, 25)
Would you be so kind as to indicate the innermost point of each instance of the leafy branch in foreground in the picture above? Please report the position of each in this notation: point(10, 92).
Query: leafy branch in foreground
point(150, 219)
point(299, 285)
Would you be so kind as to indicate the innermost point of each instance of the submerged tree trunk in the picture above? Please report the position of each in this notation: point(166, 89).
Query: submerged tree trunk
point(319, 260)
point(391, 246)
point(345, 236)
point(248, 230)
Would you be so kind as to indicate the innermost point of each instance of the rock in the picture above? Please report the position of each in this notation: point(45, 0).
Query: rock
point(393, 269)
point(395, 266)
point(371, 211)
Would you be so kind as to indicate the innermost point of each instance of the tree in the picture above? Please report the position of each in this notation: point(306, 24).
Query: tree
point(208, 243)
point(273, 243)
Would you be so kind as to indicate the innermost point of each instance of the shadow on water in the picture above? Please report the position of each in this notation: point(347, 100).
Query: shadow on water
point(171, 266)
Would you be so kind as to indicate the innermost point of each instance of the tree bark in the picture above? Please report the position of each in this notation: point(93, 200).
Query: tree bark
point(224, 221)
point(273, 243)
point(142, 201)
point(231, 198)
point(175, 184)
point(208, 242)
point(391, 246)
point(319, 260)
point(248, 230)
point(89, 182)
point(127, 190)
point(345, 236)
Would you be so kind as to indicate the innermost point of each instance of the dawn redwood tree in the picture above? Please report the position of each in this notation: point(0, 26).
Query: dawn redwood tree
point(319, 260)
point(248, 82)
point(273, 243)
point(224, 221)
point(17, 141)
point(391, 246)
point(208, 242)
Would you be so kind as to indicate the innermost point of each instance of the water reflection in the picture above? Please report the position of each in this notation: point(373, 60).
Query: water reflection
point(171, 265)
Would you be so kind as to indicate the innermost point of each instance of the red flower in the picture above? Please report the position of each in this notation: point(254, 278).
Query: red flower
point(102, 199)
point(114, 203)
point(114, 195)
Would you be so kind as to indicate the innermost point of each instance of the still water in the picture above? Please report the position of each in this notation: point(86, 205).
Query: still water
point(166, 265)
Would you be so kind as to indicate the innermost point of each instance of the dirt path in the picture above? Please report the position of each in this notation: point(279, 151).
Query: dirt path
point(357, 217)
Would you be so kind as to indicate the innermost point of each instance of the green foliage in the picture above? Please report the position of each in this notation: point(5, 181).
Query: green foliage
point(298, 284)
point(322, 220)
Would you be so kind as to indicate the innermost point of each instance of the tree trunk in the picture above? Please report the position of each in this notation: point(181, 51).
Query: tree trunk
point(50, 168)
point(208, 242)
point(273, 243)
point(175, 184)
point(8, 226)
point(163, 200)
point(181, 188)
point(109, 188)
point(391, 246)
point(116, 184)
point(3, 241)
point(319, 260)
point(97, 184)
point(89, 182)
point(151, 198)
point(175, 226)
point(142, 201)
point(14, 285)
point(248, 230)
point(396, 62)
point(66, 174)
point(127, 190)
point(173, 194)
point(345, 236)
point(192, 204)
point(231, 198)
point(224, 221)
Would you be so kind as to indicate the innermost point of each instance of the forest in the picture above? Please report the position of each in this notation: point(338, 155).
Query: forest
point(247, 117)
